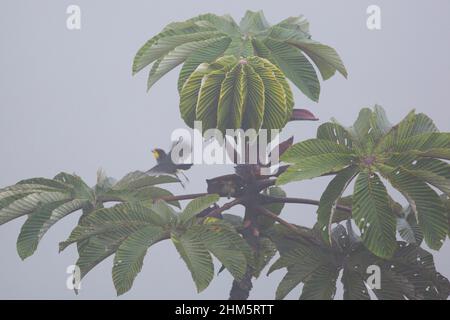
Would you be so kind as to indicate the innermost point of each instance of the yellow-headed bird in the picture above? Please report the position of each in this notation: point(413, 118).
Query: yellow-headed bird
point(165, 165)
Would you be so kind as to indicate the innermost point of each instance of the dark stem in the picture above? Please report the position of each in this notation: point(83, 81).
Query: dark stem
point(226, 206)
point(182, 197)
point(270, 199)
point(240, 290)
point(303, 233)
point(273, 216)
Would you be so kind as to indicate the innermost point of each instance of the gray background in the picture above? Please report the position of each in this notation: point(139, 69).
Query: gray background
point(68, 102)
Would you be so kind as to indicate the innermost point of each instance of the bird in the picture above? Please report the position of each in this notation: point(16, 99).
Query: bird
point(165, 165)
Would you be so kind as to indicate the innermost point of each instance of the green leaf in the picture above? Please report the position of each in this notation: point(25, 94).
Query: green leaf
point(143, 58)
point(301, 262)
point(177, 56)
point(130, 255)
point(123, 219)
point(96, 249)
point(373, 215)
point(29, 203)
point(78, 187)
point(436, 145)
point(208, 37)
point(165, 42)
point(142, 194)
point(425, 203)
point(189, 95)
point(293, 63)
point(197, 258)
point(313, 158)
point(321, 284)
point(379, 123)
point(137, 179)
point(266, 251)
point(432, 171)
point(275, 104)
point(290, 281)
point(208, 98)
point(354, 286)
point(411, 126)
point(336, 133)
point(224, 23)
point(253, 112)
point(276, 208)
point(361, 132)
point(409, 274)
point(196, 206)
point(41, 183)
point(40, 221)
point(329, 199)
point(231, 100)
point(8, 197)
point(325, 57)
point(311, 148)
point(206, 54)
point(408, 228)
point(166, 215)
point(227, 245)
point(300, 24)
point(231, 94)
point(253, 22)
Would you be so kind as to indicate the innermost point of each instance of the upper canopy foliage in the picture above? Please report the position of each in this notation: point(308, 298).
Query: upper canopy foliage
point(212, 82)
point(408, 155)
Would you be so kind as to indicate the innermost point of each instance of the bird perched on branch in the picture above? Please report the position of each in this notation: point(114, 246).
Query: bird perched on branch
point(165, 165)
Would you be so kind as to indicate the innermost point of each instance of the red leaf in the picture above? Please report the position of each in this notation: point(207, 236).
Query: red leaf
point(303, 114)
point(283, 146)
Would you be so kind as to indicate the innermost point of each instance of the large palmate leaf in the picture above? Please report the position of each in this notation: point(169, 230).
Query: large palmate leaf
point(313, 158)
point(409, 274)
point(231, 93)
point(410, 156)
point(373, 214)
point(208, 37)
point(128, 230)
point(46, 201)
point(196, 206)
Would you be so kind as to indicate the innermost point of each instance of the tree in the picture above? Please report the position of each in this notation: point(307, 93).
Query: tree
point(236, 76)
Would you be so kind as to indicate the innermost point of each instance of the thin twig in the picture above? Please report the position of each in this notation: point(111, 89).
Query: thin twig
point(288, 225)
point(273, 216)
point(182, 197)
point(270, 199)
point(226, 206)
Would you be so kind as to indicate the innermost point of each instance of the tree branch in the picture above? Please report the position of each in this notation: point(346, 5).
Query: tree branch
point(226, 206)
point(273, 216)
point(288, 225)
point(182, 197)
point(270, 199)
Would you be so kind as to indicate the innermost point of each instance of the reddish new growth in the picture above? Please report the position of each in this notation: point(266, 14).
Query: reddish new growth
point(369, 160)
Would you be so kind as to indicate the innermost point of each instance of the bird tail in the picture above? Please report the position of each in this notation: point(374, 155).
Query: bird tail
point(179, 180)
point(186, 166)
